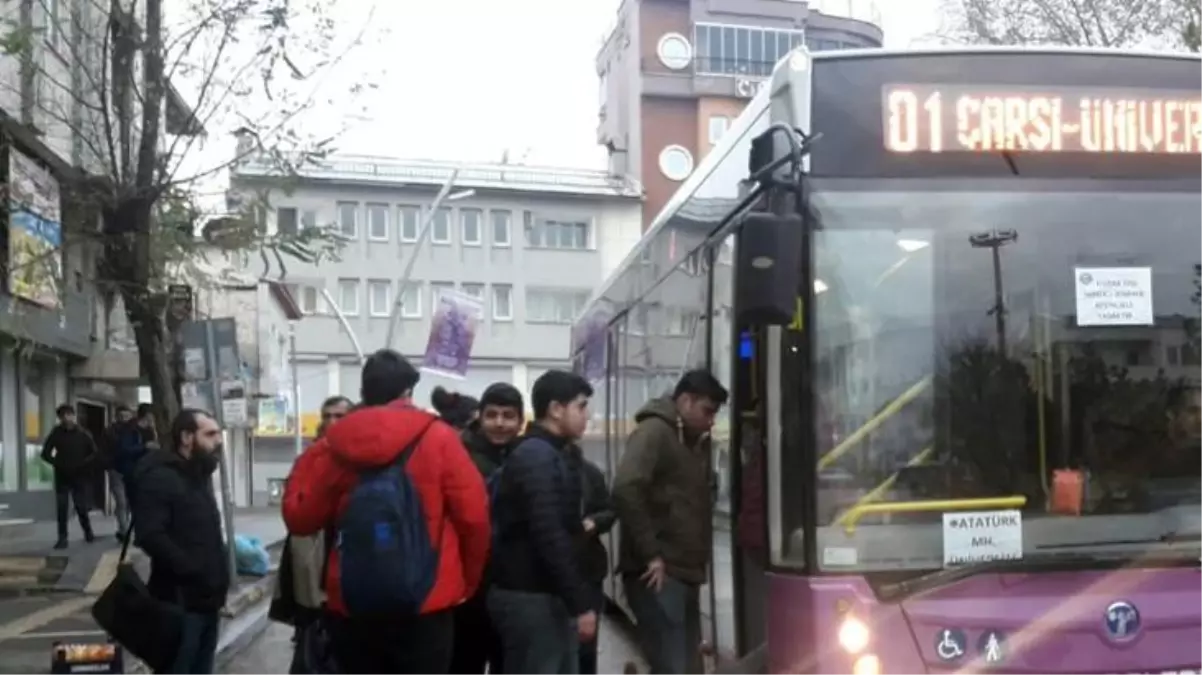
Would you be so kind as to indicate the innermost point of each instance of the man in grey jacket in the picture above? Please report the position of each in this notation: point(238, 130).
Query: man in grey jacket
point(663, 499)
point(299, 596)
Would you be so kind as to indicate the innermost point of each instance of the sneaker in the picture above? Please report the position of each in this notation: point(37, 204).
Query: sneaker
point(89, 537)
point(60, 544)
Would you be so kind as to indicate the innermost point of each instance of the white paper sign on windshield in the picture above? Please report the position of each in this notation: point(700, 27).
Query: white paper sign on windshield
point(1114, 296)
point(982, 536)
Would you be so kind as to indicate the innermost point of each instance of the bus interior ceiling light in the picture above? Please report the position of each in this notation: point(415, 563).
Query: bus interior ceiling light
point(912, 245)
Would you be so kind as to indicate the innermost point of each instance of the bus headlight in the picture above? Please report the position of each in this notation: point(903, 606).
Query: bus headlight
point(868, 664)
point(853, 635)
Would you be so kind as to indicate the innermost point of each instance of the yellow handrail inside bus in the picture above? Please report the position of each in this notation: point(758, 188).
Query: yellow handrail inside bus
point(855, 513)
point(871, 425)
point(881, 489)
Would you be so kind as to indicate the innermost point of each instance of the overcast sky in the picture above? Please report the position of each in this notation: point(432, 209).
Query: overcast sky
point(466, 79)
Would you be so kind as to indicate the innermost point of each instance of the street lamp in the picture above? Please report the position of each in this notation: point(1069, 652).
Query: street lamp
point(995, 240)
point(444, 195)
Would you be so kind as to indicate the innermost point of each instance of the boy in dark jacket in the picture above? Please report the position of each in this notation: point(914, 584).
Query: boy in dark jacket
point(539, 601)
point(489, 441)
point(70, 449)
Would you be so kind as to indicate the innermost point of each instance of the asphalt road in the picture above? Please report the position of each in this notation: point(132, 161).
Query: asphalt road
point(271, 652)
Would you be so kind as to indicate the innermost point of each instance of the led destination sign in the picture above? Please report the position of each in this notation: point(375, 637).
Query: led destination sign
point(934, 118)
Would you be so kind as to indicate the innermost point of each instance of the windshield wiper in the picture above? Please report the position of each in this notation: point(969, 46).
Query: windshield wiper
point(950, 575)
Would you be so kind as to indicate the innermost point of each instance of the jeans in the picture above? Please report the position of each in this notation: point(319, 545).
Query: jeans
point(669, 624)
point(537, 633)
point(477, 645)
point(76, 491)
point(117, 490)
point(198, 644)
point(421, 644)
point(588, 650)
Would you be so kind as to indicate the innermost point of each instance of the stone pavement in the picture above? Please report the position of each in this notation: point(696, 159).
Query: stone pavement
point(271, 651)
point(58, 608)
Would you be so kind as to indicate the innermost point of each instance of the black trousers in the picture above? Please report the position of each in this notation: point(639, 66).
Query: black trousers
point(588, 650)
point(76, 491)
point(420, 644)
point(477, 644)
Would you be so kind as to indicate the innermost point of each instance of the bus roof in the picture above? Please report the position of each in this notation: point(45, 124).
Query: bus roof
point(736, 133)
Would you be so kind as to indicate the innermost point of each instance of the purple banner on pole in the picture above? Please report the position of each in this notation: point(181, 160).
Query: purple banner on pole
point(452, 332)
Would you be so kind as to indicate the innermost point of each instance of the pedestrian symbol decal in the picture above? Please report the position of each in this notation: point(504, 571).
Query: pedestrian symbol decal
point(992, 646)
point(950, 644)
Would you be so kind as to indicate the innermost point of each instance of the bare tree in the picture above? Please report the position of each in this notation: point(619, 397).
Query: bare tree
point(1093, 23)
point(143, 90)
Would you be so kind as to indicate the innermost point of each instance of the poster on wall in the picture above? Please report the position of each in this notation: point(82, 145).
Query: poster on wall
point(452, 332)
point(35, 260)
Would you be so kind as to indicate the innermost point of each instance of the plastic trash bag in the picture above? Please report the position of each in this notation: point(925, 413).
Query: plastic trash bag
point(251, 556)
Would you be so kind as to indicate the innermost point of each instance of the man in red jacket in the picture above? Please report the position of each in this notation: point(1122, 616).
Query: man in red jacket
point(453, 500)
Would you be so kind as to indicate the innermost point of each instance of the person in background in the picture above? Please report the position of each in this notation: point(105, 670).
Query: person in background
point(299, 597)
point(538, 601)
point(125, 441)
point(457, 410)
point(662, 496)
point(320, 494)
point(598, 520)
point(488, 442)
point(71, 451)
point(178, 525)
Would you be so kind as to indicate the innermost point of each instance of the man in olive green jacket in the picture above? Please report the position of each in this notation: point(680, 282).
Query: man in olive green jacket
point(664, 503)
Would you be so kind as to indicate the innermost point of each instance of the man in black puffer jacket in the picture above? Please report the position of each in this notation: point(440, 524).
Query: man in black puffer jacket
point(488, 441)
point(177, 523)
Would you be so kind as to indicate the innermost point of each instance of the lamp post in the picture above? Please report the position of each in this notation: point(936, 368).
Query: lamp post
point(444, 195)
point(995, 240)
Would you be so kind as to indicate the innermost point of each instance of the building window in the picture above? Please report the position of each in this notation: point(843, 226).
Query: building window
point(377, 222)
point(557, 234)
point(440, 229)
point(474, 290)
point(411, 300)
point(502, 302)
point(409, 218)
point(554, 306)
point(436, 291)
point(348, 224)
point(675, 162)
point(500, 228)
point(286, 221)
point(717, 128)
point(348, 296)
point(674, 51)
point(379, 297)
point(742, 50)
point(309, 300)
point(38, 474)
point(469, 220)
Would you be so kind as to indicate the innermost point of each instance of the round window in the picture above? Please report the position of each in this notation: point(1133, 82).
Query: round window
point(675, 51)
point(675, 162)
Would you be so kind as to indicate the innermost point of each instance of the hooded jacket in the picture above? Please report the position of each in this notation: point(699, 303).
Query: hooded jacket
point(449, 486)
point(662, 496)
point(177, 524)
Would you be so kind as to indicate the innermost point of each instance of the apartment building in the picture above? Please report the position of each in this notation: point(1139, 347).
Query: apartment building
point(57, 343)
point(532, 243)
point(674, 73)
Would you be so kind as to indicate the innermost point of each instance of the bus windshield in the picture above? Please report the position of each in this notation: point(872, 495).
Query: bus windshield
point(1030, 345)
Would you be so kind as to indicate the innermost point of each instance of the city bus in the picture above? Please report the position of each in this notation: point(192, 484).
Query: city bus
point(955, 296)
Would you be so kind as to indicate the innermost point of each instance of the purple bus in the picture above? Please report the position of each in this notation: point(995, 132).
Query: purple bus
point(955, 296)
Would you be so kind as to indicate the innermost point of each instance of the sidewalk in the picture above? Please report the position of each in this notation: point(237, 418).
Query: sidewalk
point(54, 603)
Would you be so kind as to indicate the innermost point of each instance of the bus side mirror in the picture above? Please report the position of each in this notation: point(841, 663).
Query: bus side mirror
point(768, 255)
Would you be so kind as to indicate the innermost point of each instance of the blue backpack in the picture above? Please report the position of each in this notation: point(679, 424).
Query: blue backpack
point(388, 563)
